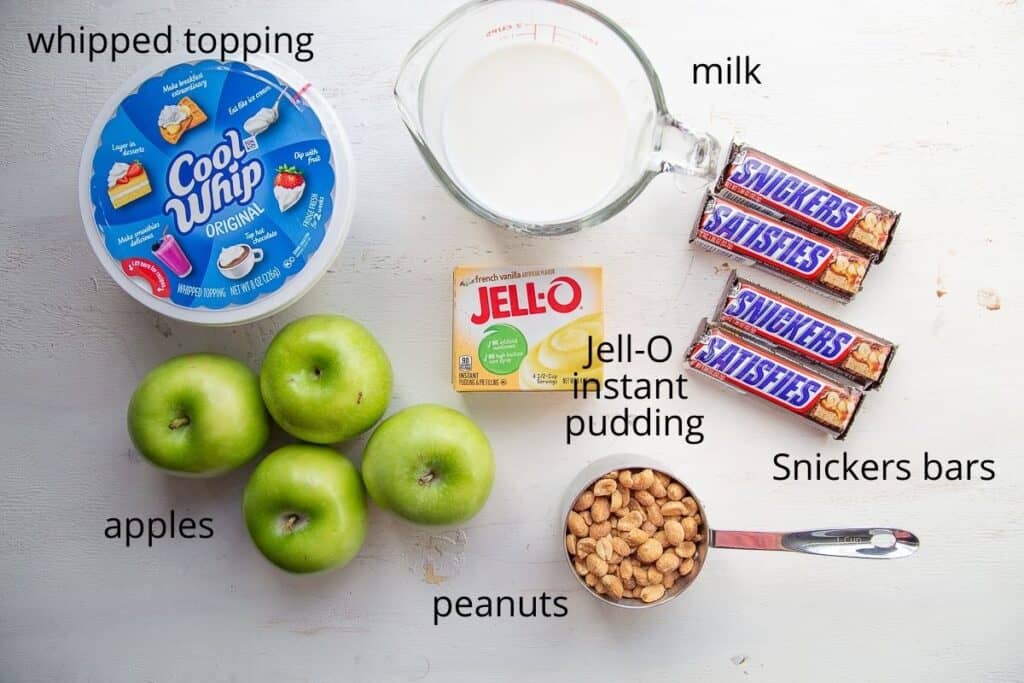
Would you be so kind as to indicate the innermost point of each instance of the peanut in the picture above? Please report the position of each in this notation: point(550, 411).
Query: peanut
point(686, 549)
point(620, 547)
point(605, 487)
point(640, 575)
point(631, 521)
point(614, 585)
point(603, 548)
point(615, 501)
point(599, 511)
point(600, 529)
point(626, 478)
point(643, 480)
point(637, 537)
point(690, 505)
point(649, 551)
point(654, 516)
point(649, 527)
point(577, 525)
point(595, 565)
point(673, 532)
point(644, 498)
point(590, 580)
point(626, 570)
point(667, 562)
point(570, 543)
point(689, 527)
point(686, 566)
point(658, 489)
point(675, 491)
point(626, 495)
point(584, 502)
point(673, 508)
point(670, 579)
point(652, 593)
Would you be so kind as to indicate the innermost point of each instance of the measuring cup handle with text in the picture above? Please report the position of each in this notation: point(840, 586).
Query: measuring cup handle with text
point(868, 543)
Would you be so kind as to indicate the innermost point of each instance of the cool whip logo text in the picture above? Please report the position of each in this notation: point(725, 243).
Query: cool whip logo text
point(761, 374)
point(799, 194)
point(794, 251)
point(203, 185)
point(563, 295)
point(789, 325)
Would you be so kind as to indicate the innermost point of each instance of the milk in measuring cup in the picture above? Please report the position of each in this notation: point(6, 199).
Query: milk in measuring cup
point(536, 133)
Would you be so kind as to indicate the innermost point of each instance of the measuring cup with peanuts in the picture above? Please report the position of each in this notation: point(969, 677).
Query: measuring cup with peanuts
point(661, 566)
point(543, 116)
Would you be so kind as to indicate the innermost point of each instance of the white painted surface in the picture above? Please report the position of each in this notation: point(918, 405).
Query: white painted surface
point(918, 104)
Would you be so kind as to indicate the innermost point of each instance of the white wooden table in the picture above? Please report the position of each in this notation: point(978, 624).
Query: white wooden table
point(918, 104)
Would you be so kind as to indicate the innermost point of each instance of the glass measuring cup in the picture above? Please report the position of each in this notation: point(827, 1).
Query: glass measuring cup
point(655, 141)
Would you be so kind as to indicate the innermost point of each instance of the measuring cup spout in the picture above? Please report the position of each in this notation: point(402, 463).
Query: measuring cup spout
point(683, 151)
point(869, 543)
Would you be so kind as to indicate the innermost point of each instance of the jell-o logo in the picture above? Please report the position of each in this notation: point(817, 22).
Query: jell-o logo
point(509, 301)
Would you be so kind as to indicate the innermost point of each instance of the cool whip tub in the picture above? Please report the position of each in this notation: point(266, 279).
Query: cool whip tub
point(217, 192)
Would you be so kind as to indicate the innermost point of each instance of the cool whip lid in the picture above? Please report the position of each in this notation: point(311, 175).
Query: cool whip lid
point(216, 192)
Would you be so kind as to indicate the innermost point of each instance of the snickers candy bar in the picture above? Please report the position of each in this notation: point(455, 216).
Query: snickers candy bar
point(794, 253)
point(753, 369)
point(803, 333)
point(798, 197)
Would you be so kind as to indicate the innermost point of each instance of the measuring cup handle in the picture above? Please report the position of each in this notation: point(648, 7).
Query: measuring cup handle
point(684, 151)
point(867, 543)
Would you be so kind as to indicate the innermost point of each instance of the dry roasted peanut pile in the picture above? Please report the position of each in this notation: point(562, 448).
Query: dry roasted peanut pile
point(633, 534)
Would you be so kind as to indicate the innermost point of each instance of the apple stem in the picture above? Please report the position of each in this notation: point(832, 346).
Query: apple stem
point(179, 422)
point(426, 478)
point(289, 524)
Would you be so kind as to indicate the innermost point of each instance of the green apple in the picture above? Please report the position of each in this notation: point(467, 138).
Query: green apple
point(199, 414)
point(325, 379)
point(429, 464)
point(305, 508)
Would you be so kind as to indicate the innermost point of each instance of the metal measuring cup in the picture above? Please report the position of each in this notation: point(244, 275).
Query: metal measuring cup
point(873, 543)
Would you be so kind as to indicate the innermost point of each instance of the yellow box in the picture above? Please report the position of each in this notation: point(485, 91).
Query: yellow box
point(525, 328)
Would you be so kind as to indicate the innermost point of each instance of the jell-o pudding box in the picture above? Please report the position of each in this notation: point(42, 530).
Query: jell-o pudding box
point(525, 328)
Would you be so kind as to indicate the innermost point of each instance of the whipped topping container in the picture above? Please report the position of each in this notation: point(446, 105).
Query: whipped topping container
point(193, 160)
